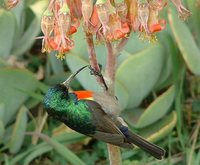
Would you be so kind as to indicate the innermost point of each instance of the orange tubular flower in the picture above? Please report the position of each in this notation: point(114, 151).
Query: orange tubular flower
point(47, 26)
point(87, 8)
point(156, 25)
point(133, 15)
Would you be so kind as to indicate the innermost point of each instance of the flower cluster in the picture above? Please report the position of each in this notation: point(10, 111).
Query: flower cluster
point(58, 24)
point(108, 20)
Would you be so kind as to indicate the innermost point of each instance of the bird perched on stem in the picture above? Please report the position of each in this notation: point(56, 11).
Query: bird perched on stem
point(92, 118)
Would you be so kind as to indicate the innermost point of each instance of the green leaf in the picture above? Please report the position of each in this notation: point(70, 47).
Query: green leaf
point(12, 84)
point(57, 78)
point(157, 109)
point(140, 72)
point(62, 150)
point(135, 44)
point(7, 26)
point(36, 153)
point(65, 137)
point(194, 20)
point(161, 128)
point(2, 63)
point(2, 130)
point(122, 94)
point(19, 129)
point(38, 7)
point(186, 43)
point(2, 111)
point(27, 38)
point(20, 156)
point(18, 11)
point(170, 51)
point(87, 80)
point(55, 63)
point(81, 50)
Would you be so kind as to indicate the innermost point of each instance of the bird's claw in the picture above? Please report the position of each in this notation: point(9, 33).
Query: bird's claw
point(94, 71)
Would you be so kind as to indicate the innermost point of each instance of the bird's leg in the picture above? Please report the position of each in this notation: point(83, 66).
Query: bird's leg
point(98, 73)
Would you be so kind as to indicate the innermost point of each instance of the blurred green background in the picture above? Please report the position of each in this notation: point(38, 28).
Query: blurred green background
point(157, 84)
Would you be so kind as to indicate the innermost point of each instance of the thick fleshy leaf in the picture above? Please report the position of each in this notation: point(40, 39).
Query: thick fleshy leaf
point(160, 129)
point(140, 72)
point(2, 110)
point(19, 129)
point(135, 44)
point(194, 20)
point(56, 64)
point(87, 80)
point(131, 116)
point(157, 109)
point(170, 52)
point(186, 43)
point(2, 130)
point(122, 94)
point(27, 38)
point(14, 84)
point(80, 48)
point(18, 12)
point(57, 78)
point(7, 31)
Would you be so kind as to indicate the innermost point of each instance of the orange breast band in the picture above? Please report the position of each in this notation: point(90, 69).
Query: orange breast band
point(84, 94)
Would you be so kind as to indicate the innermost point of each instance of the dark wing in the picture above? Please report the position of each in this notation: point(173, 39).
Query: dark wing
point(106, 129)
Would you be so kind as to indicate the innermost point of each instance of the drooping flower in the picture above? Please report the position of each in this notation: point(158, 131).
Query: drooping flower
point(154, 23)
point(58, 25)
point(103, 14)
point(182, 11)
point(113, 20)
point(47, 27)
point(133, 15)
point(143, 16)
point(122, 10)
point(87, 9)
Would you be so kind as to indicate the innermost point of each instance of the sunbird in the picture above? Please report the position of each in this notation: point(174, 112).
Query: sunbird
point(93, 118)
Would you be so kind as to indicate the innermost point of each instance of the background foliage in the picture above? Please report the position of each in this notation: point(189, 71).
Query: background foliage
point(157, 84)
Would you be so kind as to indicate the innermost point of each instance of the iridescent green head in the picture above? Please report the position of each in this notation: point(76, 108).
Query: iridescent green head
point(54, 97)
point(58, 98)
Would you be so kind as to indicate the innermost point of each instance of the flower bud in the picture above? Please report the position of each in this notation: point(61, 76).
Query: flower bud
point(11, 3)
point(143, 15)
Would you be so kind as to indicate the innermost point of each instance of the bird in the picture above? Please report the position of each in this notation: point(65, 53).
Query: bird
point(93, 118)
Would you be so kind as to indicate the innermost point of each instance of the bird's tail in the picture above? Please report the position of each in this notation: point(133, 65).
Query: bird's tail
point(152, 149)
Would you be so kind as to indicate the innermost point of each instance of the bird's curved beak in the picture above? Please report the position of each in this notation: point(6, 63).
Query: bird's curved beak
point(72, 76)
